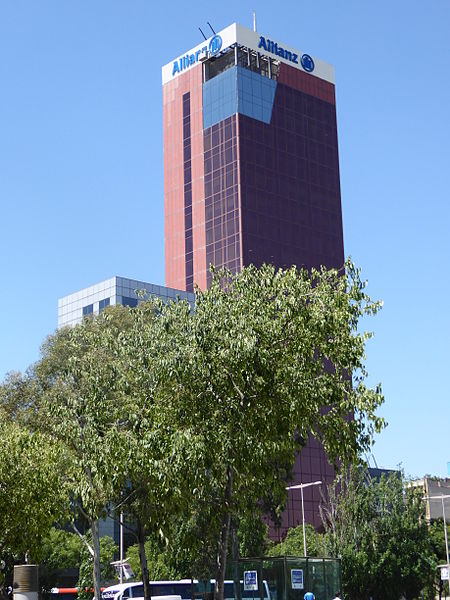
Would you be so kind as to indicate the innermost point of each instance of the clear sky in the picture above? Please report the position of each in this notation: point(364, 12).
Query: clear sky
point(81, 172)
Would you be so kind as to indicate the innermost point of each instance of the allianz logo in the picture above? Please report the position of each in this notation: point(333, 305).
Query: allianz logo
point(215, 44)
point(269, 46)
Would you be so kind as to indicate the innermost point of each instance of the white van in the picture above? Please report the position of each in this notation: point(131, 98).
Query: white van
point(175, 590)
point(159, 590)
point(123, 590)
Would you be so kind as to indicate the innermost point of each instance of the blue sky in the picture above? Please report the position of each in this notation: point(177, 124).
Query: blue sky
point(81, 172)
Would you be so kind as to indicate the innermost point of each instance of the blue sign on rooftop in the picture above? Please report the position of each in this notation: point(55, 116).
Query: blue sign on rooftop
point(215, 45)
point(188, 60)
point(255, 42)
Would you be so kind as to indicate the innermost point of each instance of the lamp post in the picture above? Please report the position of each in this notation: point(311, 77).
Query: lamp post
point(121, 547)
point(442, 498)
point(300, 486)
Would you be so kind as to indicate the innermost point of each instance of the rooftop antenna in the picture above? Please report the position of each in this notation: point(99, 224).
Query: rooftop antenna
point(254, 20)
point(210, 26)
point(203, 34)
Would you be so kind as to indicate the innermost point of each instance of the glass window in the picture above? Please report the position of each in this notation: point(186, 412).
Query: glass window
point(88, 310)
point(103, 304)
point(183, 589)
point(137, 591)
point(163, 589)
point(132, 302)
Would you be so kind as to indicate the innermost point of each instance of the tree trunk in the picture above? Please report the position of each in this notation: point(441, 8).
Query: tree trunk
point(96, 559)
point(234, 540)
point(223, 542)
point(143, 558)
point(235, 556)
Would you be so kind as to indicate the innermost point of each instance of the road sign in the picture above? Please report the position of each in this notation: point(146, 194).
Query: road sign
point(297, 579)
point(445, 574)
point(250, 581)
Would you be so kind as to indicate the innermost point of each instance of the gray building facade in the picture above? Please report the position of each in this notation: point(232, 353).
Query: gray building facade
point(116, 290)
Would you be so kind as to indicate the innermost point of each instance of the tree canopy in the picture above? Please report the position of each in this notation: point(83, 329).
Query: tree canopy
point(33, 493)
point(172, 411)
point(267, 358)
point(79, 408)
point(379, 530)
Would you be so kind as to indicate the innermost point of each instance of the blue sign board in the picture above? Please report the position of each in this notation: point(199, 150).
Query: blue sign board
point(274, 48)
point(269, 46)
point(250, 581)
point(307, 63)
point(297, 579)
point(215, 44)
point(235, 34)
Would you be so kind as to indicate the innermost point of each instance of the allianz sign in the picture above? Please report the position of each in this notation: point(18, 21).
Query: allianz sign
point(215, 46)
point(269, 46)
point(187, 61)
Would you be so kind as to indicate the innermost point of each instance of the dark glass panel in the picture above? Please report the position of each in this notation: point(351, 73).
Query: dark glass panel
point(88, 310)
point(132, 302)
point(103, 304)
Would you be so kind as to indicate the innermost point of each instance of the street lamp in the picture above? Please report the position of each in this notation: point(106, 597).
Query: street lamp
point(442, 498)
point(300, 487)
point(121, 546)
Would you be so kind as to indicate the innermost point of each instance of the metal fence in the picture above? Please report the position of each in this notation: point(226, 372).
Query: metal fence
point(285, 578)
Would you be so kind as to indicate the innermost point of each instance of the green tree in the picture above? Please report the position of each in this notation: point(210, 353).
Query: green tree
point(293, 543)
point(94, 399)
point(266, 359)
point(252, 536)
point(160, 561)
point(381, 534)
point(78, 407)
point(60, 550)
point(439, 557)
point(201, 412)
point(17, 399)
point(33, 492)
point(107, 550)
point(179, 557)
point(155, 459)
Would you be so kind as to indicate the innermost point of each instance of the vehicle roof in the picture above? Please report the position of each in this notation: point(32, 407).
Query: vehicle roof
point(122, 586)
point(119, 587)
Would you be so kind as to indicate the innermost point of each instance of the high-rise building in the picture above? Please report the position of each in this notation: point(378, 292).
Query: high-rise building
point(251, 173)
point(250, 158)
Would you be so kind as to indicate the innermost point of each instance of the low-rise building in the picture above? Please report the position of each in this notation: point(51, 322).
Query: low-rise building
point(116, 290)
point(433, 489)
